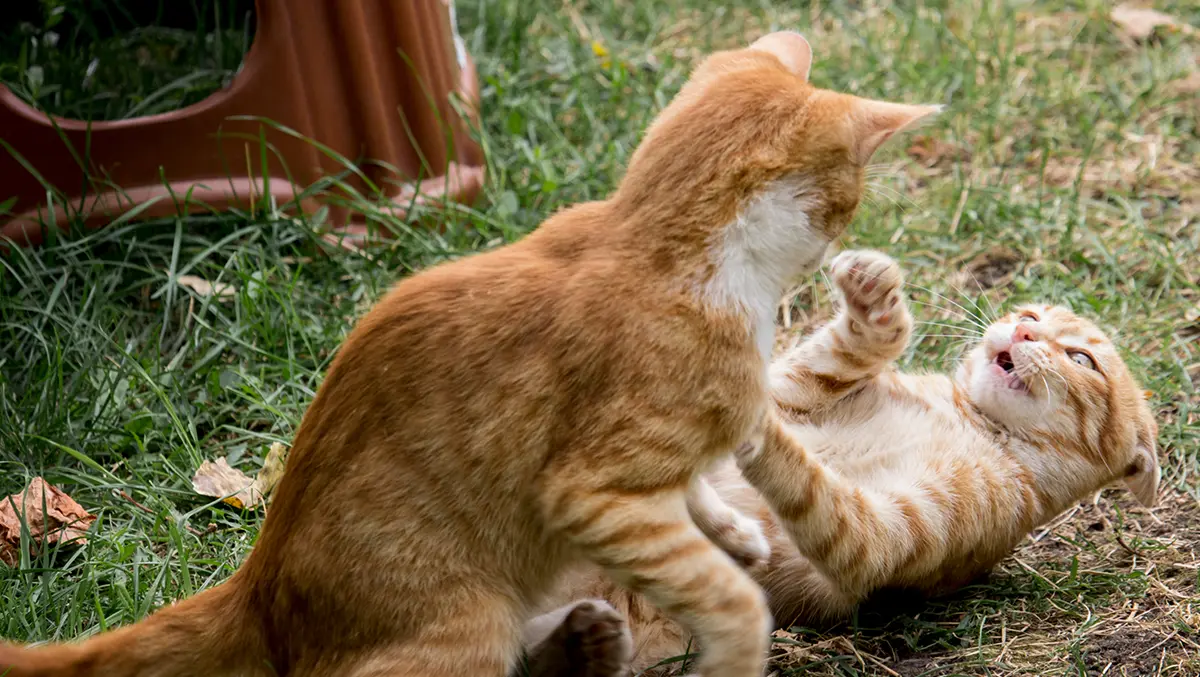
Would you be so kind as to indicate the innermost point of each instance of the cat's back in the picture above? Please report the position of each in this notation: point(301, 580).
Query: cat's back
point(463, 357)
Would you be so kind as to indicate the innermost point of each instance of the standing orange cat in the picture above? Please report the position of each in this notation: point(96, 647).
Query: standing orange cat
point(542, 403)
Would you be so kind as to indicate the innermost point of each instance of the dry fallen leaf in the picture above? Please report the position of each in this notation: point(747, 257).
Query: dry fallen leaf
point(272, 469)
point(62, 520)
point(219, 480)
point(1138, 23)
point(205, 288)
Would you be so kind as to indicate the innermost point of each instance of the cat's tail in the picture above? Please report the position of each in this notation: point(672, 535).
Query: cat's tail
point(211, 633)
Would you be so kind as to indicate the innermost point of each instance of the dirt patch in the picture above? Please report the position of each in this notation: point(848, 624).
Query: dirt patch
point(993, 268)
point(1136, 650)
point(1108, 588)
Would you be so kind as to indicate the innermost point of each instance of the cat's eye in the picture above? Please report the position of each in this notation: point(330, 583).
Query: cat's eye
point(1028, 317)
point(1082, 359)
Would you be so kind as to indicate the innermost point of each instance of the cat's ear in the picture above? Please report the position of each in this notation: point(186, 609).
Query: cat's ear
point(792, 50)
point(1143, 473)
point(877, 121)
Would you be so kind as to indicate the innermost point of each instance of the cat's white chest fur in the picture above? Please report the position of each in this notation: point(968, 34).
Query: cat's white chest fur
point(767, 247)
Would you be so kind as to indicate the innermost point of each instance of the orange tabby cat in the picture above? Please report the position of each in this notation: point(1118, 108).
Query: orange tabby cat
point(887, 480)
point(494, 419)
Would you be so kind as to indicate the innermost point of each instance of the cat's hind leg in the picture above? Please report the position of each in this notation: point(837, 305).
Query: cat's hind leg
point(588, 638)
point(481, 638)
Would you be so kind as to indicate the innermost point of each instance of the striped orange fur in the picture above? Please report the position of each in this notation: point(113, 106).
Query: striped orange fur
point(869, 478)
point(495, 419)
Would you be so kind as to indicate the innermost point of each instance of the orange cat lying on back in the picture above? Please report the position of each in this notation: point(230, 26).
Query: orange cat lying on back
point(549, 401)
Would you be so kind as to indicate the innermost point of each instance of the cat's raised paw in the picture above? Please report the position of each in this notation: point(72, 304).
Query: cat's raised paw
point(870, 283)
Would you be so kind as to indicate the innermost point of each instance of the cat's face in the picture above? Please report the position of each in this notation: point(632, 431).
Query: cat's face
point(1054, 377)
point(749, 145)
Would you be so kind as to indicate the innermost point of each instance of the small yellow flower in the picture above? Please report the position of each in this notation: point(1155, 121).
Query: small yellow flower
point(601, 53)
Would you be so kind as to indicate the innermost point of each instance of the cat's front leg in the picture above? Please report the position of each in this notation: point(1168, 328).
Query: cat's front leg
point(870, 331)
point(856, 537)
point(645, 540)
point(741, 537)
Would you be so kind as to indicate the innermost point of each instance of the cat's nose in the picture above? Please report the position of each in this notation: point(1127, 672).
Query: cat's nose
point(1023, 333)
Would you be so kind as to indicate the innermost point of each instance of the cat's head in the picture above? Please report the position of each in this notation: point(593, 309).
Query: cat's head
point(1054, 378)
point(751, 155)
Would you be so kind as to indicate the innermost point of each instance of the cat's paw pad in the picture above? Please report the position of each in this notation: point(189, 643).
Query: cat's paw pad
point(743, 539)
point(601, 637)
point(871, 284)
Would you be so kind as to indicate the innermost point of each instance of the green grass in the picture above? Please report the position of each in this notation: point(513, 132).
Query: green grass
point(1065, 169)
point(94, 59)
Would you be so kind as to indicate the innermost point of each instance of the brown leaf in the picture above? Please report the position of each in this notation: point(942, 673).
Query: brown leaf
point(1138, 23)
point(272, 469)
point(205, 288)
point(219, 480)
point(62, 520)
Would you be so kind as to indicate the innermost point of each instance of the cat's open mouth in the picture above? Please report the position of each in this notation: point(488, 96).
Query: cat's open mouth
point(1004, 360)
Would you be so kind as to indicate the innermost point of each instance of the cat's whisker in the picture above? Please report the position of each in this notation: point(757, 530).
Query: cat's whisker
point(1029, 370)
point(971, 331)
point(964, 337)
point(1054, 372)
point(870, 200)
point(953, 314)
point(1046, 384)
point(899, 199)
point(983, 293)
point(969, 315)
point(877, 169)
point(990, 313)
point(875, 190)
point(966, 313)
point(895, 194)
point(958, 347)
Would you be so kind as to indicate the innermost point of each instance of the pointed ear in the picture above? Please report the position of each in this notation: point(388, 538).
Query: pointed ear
point(790, 48)
point(877, 121)
point(1142, 475)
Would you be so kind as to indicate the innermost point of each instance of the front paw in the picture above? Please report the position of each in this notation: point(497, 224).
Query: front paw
point(871, 285)
point(743, 539)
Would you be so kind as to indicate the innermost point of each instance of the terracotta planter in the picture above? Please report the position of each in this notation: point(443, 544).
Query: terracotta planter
point(371, 80)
